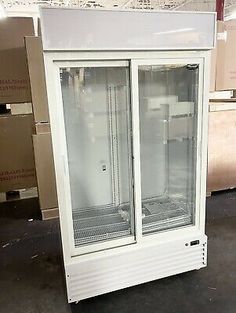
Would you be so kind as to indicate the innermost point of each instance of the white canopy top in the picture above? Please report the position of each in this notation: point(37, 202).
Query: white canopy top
point(85, 29)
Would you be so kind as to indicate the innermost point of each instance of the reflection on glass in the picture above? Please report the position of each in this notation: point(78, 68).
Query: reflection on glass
point(97, 121)
point(168, 123)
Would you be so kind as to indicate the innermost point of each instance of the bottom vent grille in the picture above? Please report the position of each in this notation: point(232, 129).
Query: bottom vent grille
point(98, 275)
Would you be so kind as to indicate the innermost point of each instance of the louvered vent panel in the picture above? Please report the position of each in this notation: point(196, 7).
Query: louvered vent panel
point(105, 274)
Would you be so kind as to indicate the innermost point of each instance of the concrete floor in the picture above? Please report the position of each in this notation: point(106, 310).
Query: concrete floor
point(32, 279)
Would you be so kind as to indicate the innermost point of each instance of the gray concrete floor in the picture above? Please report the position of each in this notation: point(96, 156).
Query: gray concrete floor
point(32, 278)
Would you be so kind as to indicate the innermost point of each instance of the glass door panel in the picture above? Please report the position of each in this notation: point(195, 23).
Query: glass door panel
point(96, 102)
point(168, 97)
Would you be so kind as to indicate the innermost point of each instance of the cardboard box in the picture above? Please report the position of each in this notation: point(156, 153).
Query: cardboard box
point(221, 146)
point(23, 108)
point(14, 77)
point(213, 70)
point(50, 214)
point(45, 171)
point(17, 169)
point(42, 128)
point(13, 30)
point(37, 78)
point(42, 139)
point(226, 51)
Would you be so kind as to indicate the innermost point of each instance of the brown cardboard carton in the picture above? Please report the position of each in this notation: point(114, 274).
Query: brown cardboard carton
point(213, 70)
point(13, 30)
point(42, 139)
point(14, 78)
point(226, 51)
point(42, 128)
point(221, 146)
point(23, 108)
point(37, 78)
point(48, 214)
point(45, 171)
point(17, 169)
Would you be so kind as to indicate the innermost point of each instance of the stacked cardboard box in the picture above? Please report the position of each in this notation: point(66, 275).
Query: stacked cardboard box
point(14, 78)
point(221, 145)
point(17, 169)
point(222, 113)
point(226, 51)
point(223, 68)
point(42, 138)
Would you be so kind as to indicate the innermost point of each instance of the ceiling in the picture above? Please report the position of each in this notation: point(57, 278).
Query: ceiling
point(193, 5)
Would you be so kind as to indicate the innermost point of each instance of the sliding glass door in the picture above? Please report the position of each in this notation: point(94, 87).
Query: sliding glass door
point(168, 117)
point(132, 172)
point(96, 104)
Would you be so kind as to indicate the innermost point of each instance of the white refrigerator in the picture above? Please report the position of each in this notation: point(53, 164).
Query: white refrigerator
point(128, 102)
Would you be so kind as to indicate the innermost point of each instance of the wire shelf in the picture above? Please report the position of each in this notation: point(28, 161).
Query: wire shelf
point(163, 215)
point(98, 224)
point(104, 223)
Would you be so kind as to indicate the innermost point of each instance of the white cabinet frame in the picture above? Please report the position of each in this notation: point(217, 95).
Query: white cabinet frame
point(56, 60)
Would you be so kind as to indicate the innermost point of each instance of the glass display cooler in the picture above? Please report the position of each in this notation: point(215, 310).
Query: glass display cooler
point(128, 102)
